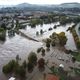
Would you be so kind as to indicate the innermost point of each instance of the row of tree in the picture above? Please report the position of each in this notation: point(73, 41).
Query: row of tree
point(3, 32)
point(56, 39)
point(19, 70)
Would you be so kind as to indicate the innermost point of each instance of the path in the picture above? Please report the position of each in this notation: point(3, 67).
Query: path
point(26, 36)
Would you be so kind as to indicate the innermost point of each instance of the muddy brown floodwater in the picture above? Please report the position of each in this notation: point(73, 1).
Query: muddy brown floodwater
point(21, 46)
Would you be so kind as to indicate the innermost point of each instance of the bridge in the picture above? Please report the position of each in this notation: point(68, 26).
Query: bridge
point(26, 36)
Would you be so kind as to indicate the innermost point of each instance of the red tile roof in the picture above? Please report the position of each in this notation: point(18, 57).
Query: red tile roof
point(52, 77)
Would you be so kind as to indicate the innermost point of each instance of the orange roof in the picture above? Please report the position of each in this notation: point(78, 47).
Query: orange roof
point(52, 77)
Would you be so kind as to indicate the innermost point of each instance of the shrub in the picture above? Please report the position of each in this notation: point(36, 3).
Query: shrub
point(43, 52)
point(48, 40)
point(41, 31)
point(39, 50)
point(53, 43)
point(73, 59)
point(50, 29)
point(37, 33)
point(48, 45)
point(55, 27)
point(18, 58)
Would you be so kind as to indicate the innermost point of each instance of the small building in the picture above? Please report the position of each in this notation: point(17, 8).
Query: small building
point(51, 77)
point(61, 65)
point(12, 78)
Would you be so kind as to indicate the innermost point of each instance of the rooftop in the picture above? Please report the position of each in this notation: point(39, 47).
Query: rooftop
point(52, 77)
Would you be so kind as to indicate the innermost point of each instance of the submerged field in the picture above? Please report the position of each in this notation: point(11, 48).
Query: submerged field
point(19, 45)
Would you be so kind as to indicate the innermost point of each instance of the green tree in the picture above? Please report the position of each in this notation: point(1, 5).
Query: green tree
point(18, 58)
point(30, 67)
point(62, 38)
point(39, 49)
point(37, 33)
point(8, 68)
point(12, 25)
point(21, 72)
point(41, 64)
point(43, 52)
point(2, 34)
point(48, 45)
point(53, 43)
point(24, 64)
point(3, 25)
point(41, 31)
point(32, 58)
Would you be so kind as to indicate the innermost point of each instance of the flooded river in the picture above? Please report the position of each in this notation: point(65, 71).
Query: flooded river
point(21, 46)
point(32, 32)
point(16, 46)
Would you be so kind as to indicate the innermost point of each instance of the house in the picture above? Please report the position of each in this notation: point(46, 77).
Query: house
point(50, 77)
point(12, 78)
point(61, 65)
